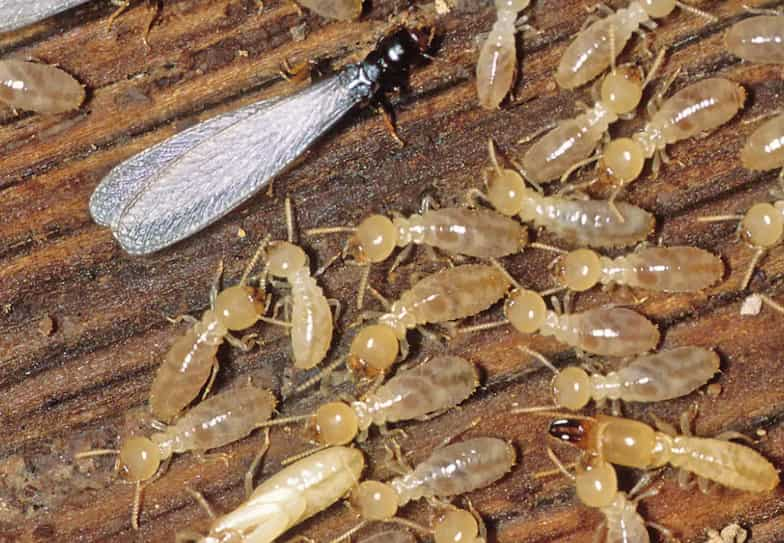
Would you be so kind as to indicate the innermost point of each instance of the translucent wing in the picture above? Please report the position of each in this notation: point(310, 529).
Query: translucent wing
point(18, 13)
point(180, 186)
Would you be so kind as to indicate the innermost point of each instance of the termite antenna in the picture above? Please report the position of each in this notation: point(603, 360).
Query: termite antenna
point(320, 375)
point(304, 454)
point(137, 506)
point(546, 247)
point(720, 218)
point(758, 254)
point(506, 274)
point(95, 452)
point(289, 220)
point(253, 261)
point(696, 11)
point(559, 467)
point(350, 532)
point(539, 356)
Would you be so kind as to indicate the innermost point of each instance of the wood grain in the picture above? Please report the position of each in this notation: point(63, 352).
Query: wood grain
point(72, 387)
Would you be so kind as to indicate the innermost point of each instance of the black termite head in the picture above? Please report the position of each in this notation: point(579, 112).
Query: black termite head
point(572, 431)
point(397, 52)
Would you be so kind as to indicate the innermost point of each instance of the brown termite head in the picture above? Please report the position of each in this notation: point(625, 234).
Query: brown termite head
point(373, 350)
point(573, 431)
point(579, 270)
point(525, 310)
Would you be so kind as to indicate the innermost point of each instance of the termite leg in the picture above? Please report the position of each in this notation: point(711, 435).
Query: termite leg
point(204, 457)
point(182, 318)
point(389, 121)
point(202, 501)
point(217, 281)
point(121, 6)
point(255, 463)
point(213, 374)
point(399, 259)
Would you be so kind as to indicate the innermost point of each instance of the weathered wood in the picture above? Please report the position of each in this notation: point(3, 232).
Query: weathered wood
point(70, 389)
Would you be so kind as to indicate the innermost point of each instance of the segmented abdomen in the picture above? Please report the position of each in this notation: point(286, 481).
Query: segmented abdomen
point(667, 269)
point(667, 374)
point(311, 321)
point(474, 232)
point(757, 39)
point(764, 150)
point(613, 331)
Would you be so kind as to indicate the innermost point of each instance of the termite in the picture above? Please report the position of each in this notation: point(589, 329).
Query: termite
point(764, 150)
point(217, 421)
point(422, 392)
point(497, 64)
point(570, 144)
point(596, 46)
point(449, 471)
point(606, 331)
point(479, 233)
point(191, 361)
point(761, 227)
point(38, 87)
point(758, 39)
point(293, 494)
point(650, 378)
point(661, 269)
point(634, 444)
point(596, 486)
point(585, 223)
point(696, 109)
point(341, 10)
point(311, 317)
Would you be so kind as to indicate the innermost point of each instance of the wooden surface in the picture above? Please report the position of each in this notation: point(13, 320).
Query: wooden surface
point(83, 328)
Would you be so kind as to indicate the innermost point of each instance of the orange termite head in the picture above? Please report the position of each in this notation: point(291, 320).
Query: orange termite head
point(572, 431)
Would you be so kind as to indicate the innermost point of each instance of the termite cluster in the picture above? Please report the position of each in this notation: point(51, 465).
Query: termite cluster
point(386, 380)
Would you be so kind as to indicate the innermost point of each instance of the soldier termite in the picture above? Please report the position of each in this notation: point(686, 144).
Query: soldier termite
point(634, 444)
point(761, 227)
point(293, 494)
point(594, 48)
point(606, 331)
point(596, 485)
point(449, 471)
point(38, 87)
point(661, 269)
point(311, 317)
point(422, 392)
point(570, 144)
point(591, 223)
point(472, 232)
point(650, 378)
point(191, 360)
point(757, 39)
point(497, 64)
point(217, 421)
point(181, 185)
point(18, 13)
point(341, 10)
point(694, 110)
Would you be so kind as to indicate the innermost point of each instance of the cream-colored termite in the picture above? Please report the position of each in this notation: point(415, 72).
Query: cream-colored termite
point(761, 227)
point(606, 331)
point(422, 392)
point(758, 39)
point(650, 378)
point(479, 233)
point(191, 361)
point(497, 64)
point(661, 269)
point(694, 110)
point(596, 46)
point(634, 444)
point(596, 485)
point(38, 87)
point(286, 499)
point(217, 421)
point(341, 10)
point(570, 144)
point(764, 150)
point(581, 222)
point(449, 471)
point(311, 318)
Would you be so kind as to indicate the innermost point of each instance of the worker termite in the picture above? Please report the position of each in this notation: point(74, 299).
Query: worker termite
point(449, 471)
point(472, 232)
point(591, 223)
point(606, 331)
point(341, 10)
point(38, 87)
point(191, 360)
point(597, 45)
point(634, 444)
point(311, 318)
point(422, 392)
point(662, 269)
point(596, 485)
point(570, 144)
point(217, 421)
point(497, 64)
point(293, 494)
point(764, 150)
point(696, 109)
point(758, 39)
point(761, 227)
point(650, 378)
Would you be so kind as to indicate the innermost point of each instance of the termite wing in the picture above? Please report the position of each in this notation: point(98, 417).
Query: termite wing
point(18, 13)
point(185, 183)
